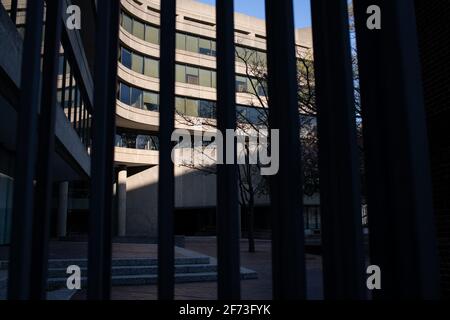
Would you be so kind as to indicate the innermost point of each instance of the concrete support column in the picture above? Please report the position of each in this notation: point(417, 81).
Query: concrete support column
point(63, 198)
point(121, 193)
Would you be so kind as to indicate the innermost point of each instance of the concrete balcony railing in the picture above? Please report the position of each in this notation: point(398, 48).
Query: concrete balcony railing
point(136, 157)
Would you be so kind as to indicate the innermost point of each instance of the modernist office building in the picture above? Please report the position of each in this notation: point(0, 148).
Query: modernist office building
point(71, 157)
point(137, 119)
point(137, 107)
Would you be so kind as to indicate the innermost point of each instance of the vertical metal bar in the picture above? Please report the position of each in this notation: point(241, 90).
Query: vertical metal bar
point(342, 241)
point(64, 84)
point(166, 197)
point(44, 175)
point(22, 218)
point(227, 180)
point(102, 155)
point(69, 111)
point(82, 111)
point(13, 12)
point(288, 257)
point(401, 221)
point(85, 130)
point(76, 110)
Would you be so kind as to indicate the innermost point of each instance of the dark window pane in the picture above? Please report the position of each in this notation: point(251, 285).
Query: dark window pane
point(126, 58)
point(136, 98)
point(206, 109)
point(125, 93)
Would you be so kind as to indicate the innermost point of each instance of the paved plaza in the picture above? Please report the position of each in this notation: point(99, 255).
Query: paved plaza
point(259, 289)
point(260, 261)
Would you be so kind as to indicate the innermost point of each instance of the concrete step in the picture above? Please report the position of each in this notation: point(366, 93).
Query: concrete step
point(150, 279)
point(140, 270)
point(82, 263)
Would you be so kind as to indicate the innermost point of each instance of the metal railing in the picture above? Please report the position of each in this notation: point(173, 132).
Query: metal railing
point(402, 236)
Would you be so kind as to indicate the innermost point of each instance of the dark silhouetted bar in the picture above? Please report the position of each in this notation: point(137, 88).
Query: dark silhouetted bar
point(342, 241)
point(402, 232)
point(64, 82)
point(44, 175)
point(23, 199)
point(105, 83)
point(69, 111)
point(13, 13)
point(288, 257)
point(227, 179)
point(166, 183)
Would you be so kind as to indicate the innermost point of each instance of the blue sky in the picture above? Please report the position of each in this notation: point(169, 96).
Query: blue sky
point(256, 8)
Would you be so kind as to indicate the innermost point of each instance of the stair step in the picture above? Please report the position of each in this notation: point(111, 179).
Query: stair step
point(82, 263)
point(140, 270)
point(132, 280)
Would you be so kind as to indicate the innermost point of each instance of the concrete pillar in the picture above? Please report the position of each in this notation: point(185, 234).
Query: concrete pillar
point(121, 193)
point(63, 198)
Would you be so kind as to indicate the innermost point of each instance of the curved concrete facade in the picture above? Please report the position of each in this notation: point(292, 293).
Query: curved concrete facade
point(194, 188)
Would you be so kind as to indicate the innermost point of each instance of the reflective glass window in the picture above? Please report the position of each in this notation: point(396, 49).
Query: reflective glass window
point(151, 68)
point(138, 29)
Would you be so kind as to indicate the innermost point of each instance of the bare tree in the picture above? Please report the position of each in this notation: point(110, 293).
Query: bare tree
point(251, 184)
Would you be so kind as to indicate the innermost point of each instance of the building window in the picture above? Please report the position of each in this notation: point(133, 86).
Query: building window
point(213, 48)
point(192, 107)
point(251, 115)
point(136, 140)
point(241, 84)
point(192, 44)
point(262, 88)
point(205, 78)
point(125, 93)
point(151, 68)
point(180, 72)
point(251, 84)
point(180, 105)
point(213, 79)
point(138, 29)
point(151, 34)
point(181, 41)
point(206, 109)
point(137, 63)
point(125, 58)
point(262, 57)
point(192, 75)
point(204, 46)
point(151, 101)
point(127, 23)
point(136, 98)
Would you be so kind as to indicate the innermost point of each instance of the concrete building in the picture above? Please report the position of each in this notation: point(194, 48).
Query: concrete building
point(138, 104)
point(71, 158)
point(137, 117)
